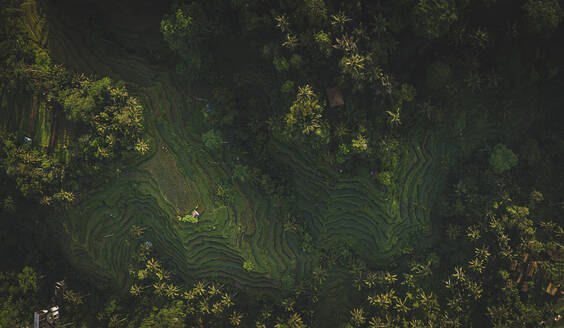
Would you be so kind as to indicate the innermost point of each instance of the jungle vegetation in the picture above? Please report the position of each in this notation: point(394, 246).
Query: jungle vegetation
point(282, 163)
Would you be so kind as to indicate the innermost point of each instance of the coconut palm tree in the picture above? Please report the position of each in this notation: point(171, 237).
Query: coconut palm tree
point(236, 318)
point(357, 317)
point(295, 321)
point(137, 231)
point(199, 288)
point(459, 274)
point(283, 23)
point(401, 305)
point(226, 300)
point(291, 41)
point(339, 20)
point(136, 290)
point(160, 288)
point(477, 265)
point(212, 290)
point(171, 291)
point(394, 118)
point(288, 304)
point(390, 278)
point(482, 253)
point(152, 265)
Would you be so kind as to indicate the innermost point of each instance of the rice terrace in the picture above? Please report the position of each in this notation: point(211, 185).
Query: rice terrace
point(282, 163)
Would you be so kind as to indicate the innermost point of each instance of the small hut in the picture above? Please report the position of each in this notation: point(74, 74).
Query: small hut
point(335, 97)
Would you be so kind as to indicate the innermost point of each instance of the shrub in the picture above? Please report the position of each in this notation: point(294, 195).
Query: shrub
point(287, 87)
point(543, 14)
point(343, 153)
point(502, 159)
point(280, 64)
point(212, 139)
point(385, 178)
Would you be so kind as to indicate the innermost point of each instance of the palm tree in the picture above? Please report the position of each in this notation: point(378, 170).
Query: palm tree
point(408, 280)
point(357, 316)
point(346, 43)
point(473, 233)
point(235, 318)
point(199, 288)
point(72, 297)
point(394, 118)
point(153, 265)
point(204, 306)
point(482, 253)
point(162, 274)
point(212, 290)
point(355, 65)
point(141, 147)
point(477, 265)
point(339, 20)
point(137, 230)
point(376, 322)
point(390, 278)
point(295, 321)
point(459, 274)
point(288, 304)
point(416, 324)
point(291, 41)
point(453, 231)
point(136, 290)
point(319, 274)
point(217, 308)
point(171, 291)
point(401, 305)
point(283, 23)
point(160, 288)
point(474, 81)
point(428, 302)
point(226, 300)
point(115, 321)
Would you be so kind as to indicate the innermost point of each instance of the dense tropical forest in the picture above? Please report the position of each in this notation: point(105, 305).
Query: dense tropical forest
point(282, 163)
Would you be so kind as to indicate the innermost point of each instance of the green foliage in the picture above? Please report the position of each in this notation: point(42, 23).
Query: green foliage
point(388, 153)
point(212, 139)
point(287, 87)
point(280, 64)
point(27, 280)
point(249, 265)
point(141, 147)
point(240, 172)
point(385, 178)
point(305, 116)
point(188, 218)
point(407, 93)
point(502, 159)
point(92, 120)
point(360, 144)
point(315, 11)
point(356, 66)
point(343, 153)
point(172, 316)
point(184, 32)
point(18, 297)
point(543, 15)
point(323, 43)
point(433, 18)
point(114, 119)
point(296, 61)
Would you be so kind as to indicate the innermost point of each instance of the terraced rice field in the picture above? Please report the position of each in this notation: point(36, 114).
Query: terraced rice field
point(180, 174)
